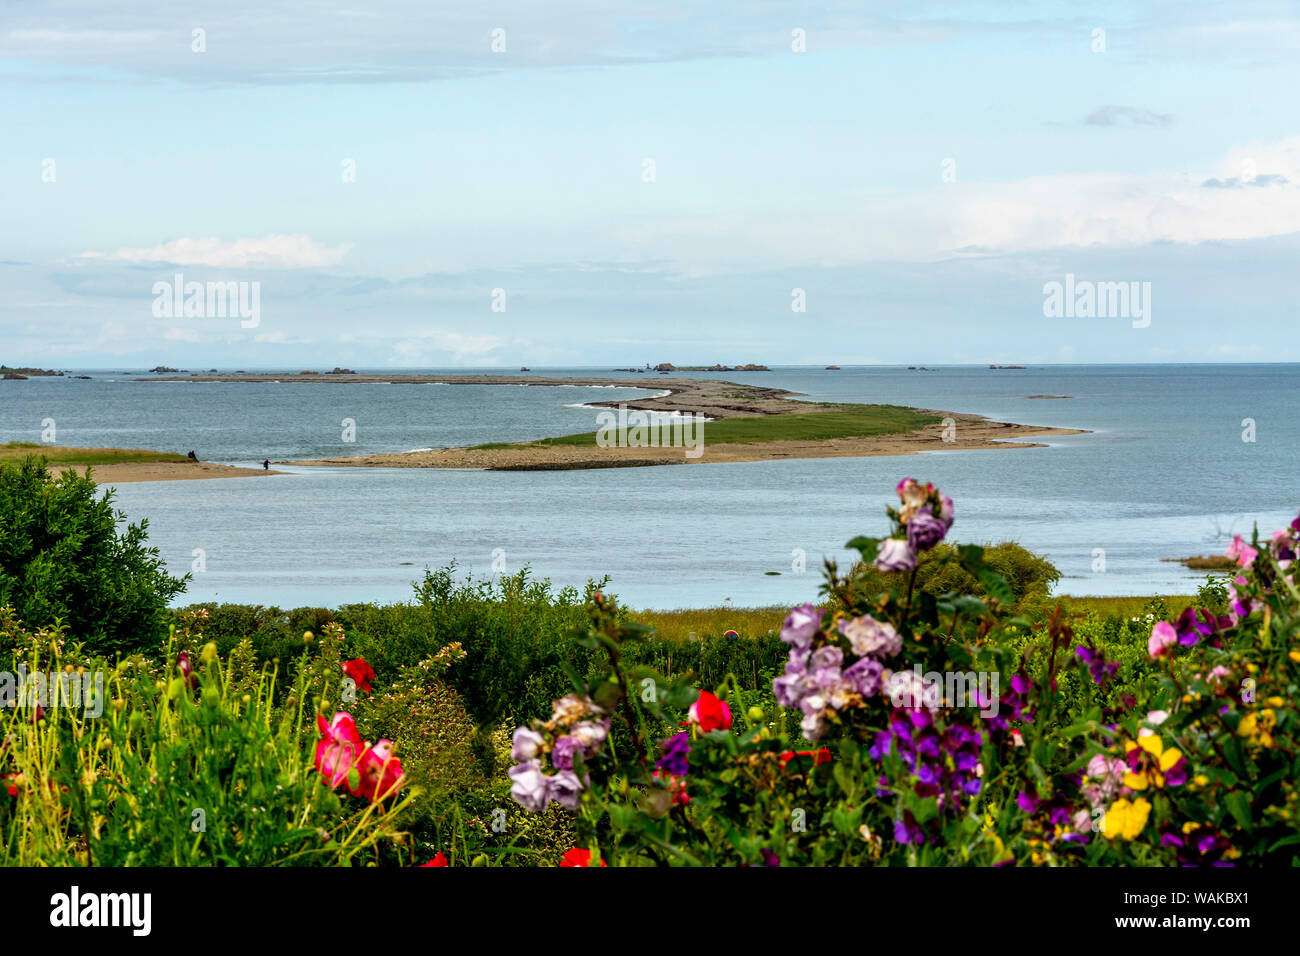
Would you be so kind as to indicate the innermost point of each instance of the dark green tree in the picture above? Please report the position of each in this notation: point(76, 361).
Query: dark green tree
point(63, 558)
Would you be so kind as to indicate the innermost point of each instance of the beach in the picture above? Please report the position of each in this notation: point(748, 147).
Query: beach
point(128, 472)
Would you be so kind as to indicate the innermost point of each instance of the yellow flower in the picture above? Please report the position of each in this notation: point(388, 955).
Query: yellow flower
point(1295, 656)
point(1126, 819)
point(1258, 728)
point(1152, 769)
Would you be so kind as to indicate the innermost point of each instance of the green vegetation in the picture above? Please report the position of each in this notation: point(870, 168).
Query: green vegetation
point(63, 560)
point(1029, 576)
point(233, 730)
point(832, 421)
point(60, 456)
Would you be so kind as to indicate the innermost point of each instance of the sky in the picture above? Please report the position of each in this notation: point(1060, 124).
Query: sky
point(502, 182)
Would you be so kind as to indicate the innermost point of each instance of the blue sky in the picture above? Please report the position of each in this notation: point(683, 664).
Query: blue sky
point(1171, 157)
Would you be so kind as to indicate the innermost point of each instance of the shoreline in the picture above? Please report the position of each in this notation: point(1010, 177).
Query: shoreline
point(974, 434)
point(715, 399)
point(122, 473)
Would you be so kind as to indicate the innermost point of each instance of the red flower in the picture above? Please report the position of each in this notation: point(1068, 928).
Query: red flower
point(818, 756)
point(381, 773)
point(187, 669)
point(439, 860)
point(338, 747)
point(578, 857)
point(360, 672)
point(709, 713)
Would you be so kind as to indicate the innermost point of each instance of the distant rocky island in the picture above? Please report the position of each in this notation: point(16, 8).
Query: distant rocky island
point(1007, 366)
point(18, 374)
point(663, 368)
point(670, 367)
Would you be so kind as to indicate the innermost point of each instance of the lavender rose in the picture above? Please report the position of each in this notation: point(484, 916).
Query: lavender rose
point(895, 554)
point(800, 626)
point(531, 787)
point(525, 744)
point(924, 530)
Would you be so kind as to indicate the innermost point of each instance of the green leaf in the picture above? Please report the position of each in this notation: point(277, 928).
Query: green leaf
point(1239, 806)
point(867, 546)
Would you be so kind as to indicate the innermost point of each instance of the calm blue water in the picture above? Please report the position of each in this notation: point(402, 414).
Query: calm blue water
point(1165, 473)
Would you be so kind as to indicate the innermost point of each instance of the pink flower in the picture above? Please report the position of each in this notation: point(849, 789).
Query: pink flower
point(710, 713)
point(186, 669)
point(381, 773)
point(1243, 553)
point(338, 747)
point(1163, 637)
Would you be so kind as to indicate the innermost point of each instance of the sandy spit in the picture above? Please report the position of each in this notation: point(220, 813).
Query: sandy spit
point(971, 433)
point(124, 472)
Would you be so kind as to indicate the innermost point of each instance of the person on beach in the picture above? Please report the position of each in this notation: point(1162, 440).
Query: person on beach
point(192, 456)
point(266, 464)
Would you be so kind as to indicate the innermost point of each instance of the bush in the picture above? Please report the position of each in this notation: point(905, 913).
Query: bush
point(63, 560)
point(1029, 576)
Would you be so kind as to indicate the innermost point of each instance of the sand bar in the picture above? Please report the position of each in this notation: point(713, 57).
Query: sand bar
point(713, 398)
point(121, 473)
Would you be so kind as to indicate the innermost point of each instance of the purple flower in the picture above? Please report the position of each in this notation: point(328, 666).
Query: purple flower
point(800, 625)
point(565, 789)
point(813, 723)
point(907, 830)
point(676, 750)
point(563, 751)
point(867, 636)
point(895, 554)
point(865, 677)
point(531, 787)
point(824, 667)
point(1098, 666)
point(525, 744)
point(590, 734)
point(924, 530)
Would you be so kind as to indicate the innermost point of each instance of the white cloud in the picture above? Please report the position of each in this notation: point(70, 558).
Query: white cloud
point(269, 252)
point(428, 348)
point(1041, 213)
point(279, 338)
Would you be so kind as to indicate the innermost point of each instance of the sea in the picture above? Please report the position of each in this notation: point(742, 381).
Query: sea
point(1177, 459)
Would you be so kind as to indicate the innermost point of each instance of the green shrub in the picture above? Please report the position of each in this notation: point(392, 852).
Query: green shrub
point(1030, 577)
point(63, 559)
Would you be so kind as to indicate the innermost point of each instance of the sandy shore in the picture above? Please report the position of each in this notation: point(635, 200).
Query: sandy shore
point(123, 472)
point(972, 432)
